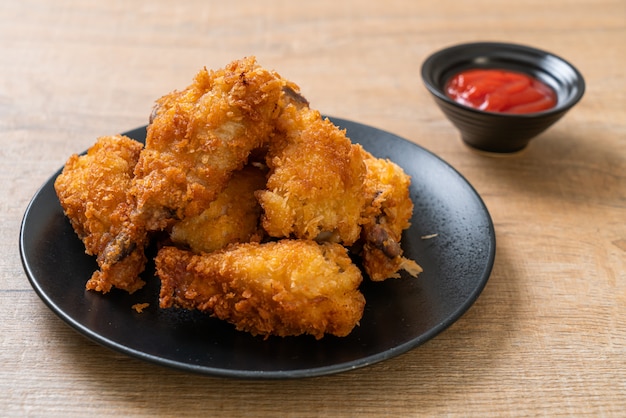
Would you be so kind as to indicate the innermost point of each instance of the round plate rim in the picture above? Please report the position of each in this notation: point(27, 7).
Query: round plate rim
point(277, 374)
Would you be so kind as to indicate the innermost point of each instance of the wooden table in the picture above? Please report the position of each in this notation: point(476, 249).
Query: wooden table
point(546, 337)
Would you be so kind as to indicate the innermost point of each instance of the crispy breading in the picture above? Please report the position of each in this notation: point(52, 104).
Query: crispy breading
point(233, 217)
point(284, 288)
point(92, 189)
point(237, 158)
point(200, 135)
point(315, 187)
point(387, 213)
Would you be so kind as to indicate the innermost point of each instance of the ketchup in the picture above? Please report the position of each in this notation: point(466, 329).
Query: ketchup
point(495, 90)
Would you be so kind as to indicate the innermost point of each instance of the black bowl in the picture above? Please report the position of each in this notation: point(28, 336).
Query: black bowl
point(501, 132)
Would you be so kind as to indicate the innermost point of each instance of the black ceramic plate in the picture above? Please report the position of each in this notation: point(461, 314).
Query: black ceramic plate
point(400, 314)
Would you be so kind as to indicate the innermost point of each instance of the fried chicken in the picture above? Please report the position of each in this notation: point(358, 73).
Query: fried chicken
point(232, 217)
point(387, 213)
point(283, 288)
point(92, 189)
point(200, 135)
point(235, 159)
point(315, 187)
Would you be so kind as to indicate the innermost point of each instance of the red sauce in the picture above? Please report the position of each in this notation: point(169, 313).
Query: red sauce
point(494, 90)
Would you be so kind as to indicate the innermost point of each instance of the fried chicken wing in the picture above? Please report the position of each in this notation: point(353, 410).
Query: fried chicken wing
point(233, 217)
point(284, 288)
point(315, 187)
point(92, 189)
point(235, 159)
point(387, 213)
point(200, 135)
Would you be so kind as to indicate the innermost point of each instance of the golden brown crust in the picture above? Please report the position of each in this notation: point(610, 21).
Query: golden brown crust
point(236, 156)
point(284, 288)
point(232, 217)
point(315, 187)
point(197, 137)
point(387, 213)
point(92, 189)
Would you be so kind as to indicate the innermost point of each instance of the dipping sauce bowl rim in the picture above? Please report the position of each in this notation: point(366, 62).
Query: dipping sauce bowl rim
point(507, 56)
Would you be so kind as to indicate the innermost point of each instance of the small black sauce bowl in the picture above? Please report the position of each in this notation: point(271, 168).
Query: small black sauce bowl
point(501, 132)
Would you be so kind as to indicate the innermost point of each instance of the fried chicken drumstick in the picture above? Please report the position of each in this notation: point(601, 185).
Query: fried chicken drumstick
point(387, 213)
point(232, 217)
point(315, 187)
point(284, 288)
point(257, 199)
point(92, 189)
point(200, 135)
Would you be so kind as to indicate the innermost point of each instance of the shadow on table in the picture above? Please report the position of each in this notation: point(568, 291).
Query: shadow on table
point(570, 167)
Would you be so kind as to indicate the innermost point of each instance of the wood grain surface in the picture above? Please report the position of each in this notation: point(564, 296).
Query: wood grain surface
point(548, 335)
